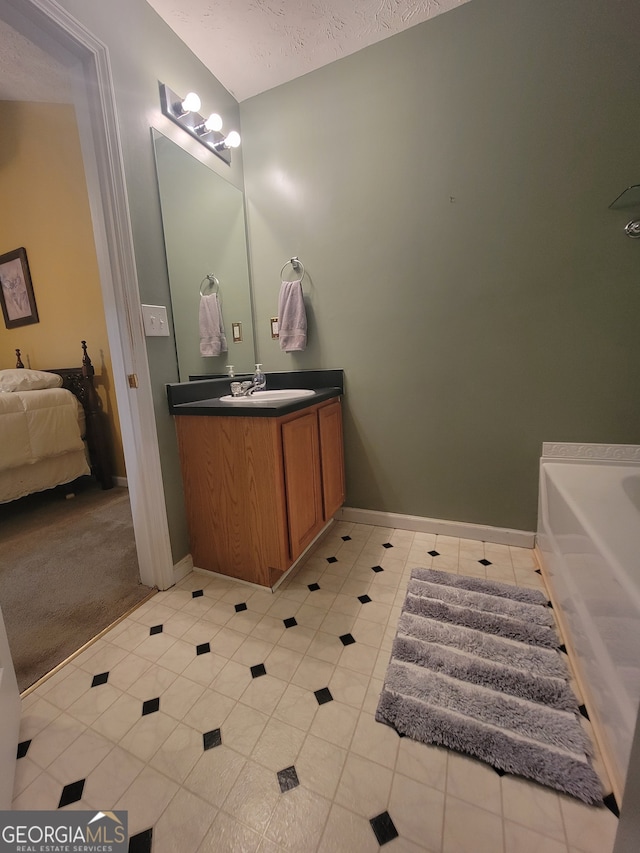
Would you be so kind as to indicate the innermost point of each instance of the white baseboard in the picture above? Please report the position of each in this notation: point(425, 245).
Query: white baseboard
point(121, 481)
point(459, 529)
point(182, 568)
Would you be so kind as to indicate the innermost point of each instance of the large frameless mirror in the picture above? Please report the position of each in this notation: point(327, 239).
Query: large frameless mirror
point(204, 232)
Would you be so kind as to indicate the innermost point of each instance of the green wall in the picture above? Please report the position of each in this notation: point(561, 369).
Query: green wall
point(447, 190)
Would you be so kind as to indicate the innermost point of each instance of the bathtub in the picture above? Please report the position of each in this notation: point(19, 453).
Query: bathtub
point(588, 543)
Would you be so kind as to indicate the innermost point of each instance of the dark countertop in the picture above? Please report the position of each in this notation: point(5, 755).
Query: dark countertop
point(202, 397)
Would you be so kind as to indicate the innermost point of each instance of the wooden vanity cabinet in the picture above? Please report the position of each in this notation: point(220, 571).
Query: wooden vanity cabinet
point(258, 490)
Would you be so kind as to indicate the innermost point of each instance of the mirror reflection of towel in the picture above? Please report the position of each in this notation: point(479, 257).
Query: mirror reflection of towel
point(292, 317)
point(212, 337)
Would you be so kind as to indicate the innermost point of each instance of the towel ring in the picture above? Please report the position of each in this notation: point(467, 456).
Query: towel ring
point(213, 281)
point(297, 265)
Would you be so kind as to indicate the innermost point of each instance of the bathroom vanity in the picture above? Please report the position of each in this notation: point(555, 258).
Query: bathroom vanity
point(261, 479)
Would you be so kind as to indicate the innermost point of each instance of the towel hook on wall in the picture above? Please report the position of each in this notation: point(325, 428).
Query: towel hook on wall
point(629, 198)
point(297, 265)
point(213, 281)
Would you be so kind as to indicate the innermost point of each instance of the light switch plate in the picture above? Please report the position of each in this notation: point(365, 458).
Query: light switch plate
point(154, 319)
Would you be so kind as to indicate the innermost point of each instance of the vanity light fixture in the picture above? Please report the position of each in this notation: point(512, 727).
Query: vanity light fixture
point(184, 112)
point(191, 104)
point(232, 140)
point(214, 122)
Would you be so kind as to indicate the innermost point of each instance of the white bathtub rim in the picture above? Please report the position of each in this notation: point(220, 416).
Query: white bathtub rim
point(612, 722)
point(593, 533)
point(568, 451)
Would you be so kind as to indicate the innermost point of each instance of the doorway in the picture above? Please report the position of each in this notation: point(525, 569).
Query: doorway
point(56, 33)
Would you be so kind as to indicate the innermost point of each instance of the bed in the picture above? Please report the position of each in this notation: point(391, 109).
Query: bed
point(51, 429)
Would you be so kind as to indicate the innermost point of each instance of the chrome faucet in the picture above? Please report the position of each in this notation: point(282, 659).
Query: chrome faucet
point(244, 389)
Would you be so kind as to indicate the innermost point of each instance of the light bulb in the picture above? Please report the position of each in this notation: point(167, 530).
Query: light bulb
point(232, 140)
point(191, 103)
point(214, 122)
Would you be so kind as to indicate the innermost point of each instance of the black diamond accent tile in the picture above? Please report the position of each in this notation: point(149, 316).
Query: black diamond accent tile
point(346, 538)
point(141, 843)
point(347, 639)
point(323, 696)
point(332, 559)
point(584, 712)
point(550, 604)
point(156, 629)
point(563, 648)
point(434, 553)
point(384, 828)
point(314, 586)
point(387, 545)
point(485, 562)
point(364, 599)
point(150, 706)
point(288, 779)
point(290, 623)
point(203, 649)
point(258, 670)
point(500, 771)
point(377, 569)
point(240, 607)
point(99, 679)
point(537, 571)
point(197, 593)
point(612, 804)
point(211, 739)
point(71, 793)
point(23, 748)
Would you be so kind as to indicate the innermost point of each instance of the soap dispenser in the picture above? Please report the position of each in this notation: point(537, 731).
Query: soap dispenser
point(259, 379)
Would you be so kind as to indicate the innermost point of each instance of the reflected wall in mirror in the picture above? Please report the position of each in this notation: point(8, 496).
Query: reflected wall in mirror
point(204, 233)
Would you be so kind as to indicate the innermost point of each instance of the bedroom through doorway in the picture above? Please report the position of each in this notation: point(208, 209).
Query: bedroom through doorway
point(69, 570)
point(69, 566)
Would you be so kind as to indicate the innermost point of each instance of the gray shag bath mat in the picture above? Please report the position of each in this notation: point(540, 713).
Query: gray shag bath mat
point(475, 667)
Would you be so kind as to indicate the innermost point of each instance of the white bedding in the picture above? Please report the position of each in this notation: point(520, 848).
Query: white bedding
point(39, 429)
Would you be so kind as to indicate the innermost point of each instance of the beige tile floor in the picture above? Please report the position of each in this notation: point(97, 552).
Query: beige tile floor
point(350, 768)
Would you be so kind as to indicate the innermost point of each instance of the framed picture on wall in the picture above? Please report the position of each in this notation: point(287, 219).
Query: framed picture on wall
point(16, 290)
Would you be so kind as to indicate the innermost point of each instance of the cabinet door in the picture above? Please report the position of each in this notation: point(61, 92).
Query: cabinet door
point(332, 456)
point(301, 454)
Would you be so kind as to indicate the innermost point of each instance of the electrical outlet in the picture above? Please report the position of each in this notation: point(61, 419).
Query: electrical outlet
point(154, 319)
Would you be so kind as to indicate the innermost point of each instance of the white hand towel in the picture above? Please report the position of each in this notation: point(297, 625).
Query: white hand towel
point(212, 338)
point(292, 317)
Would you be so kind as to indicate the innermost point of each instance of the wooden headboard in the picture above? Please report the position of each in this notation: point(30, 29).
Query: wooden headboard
point(79, 380)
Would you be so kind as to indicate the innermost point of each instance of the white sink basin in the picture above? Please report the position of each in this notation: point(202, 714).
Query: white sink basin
point(286, 394)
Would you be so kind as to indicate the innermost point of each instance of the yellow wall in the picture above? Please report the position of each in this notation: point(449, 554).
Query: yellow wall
point(44, 208)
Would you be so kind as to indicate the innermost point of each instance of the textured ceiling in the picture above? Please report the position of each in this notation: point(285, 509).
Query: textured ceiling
point(254, 45)
point(249, 45)
point(27, 73)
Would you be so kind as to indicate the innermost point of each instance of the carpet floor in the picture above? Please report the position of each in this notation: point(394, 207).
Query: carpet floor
point(68, 569)
point(476, 667)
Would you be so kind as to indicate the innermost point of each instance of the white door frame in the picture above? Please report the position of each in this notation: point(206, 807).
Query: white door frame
point(10, 716)
point(102, 153)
